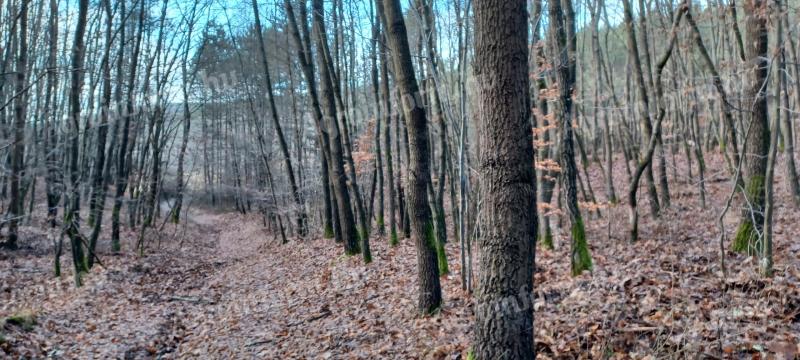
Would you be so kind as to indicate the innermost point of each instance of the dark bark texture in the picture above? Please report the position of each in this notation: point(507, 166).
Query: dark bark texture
point(419, 175)
point(504, 315)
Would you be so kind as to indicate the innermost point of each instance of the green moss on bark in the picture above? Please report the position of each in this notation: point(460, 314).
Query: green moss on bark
point(25, 320)
point(327, 232)
point(352, 252)
point(747, 234)
point(755, 187)
point(470, 354)
point(442, 256)
point(364, 240)
point(393, 241)
point(434, 243)
point(547, 239)
point(581, 259)
point(430, 236)
point(356, 249)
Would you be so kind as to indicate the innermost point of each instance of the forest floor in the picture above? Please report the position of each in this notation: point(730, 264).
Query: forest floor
point(221, 286)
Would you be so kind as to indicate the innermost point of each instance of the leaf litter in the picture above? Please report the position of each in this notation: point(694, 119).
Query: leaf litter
point(223, 287)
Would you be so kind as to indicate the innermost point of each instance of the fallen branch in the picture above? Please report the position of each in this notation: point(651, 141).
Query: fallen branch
point(640, 329)
point(194, 300)
point(311, 319)
point(256, 343)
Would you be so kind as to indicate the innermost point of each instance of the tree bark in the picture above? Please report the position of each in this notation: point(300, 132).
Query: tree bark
point(656, 131)
point(331, 227)
point(52, 186)
point(757, 140)
point(287, 159)
point(611, 195)
point(98, 198)
point(72, 204)
point(784, 113)
point(18, 147)
point(186, 81)
point(388, 114)
point(564, 65)
point(504, 309)
point(123, 160)
point(328, 107)
point(419, 175)
point(646, 123)
point(765, 251)
point(378, 120)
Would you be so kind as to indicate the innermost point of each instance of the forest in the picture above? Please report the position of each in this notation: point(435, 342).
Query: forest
point(400, 179)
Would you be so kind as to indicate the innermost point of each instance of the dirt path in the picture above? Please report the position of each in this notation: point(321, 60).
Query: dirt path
point(221, 287)
point(306, 300)
point(130, 307)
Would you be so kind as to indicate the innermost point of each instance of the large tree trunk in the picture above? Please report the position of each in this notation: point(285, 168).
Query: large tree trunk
point(18, 148)
point(98, 198)
point(611, 195)
point(51, 138)
point(344, 128)
point(378, 120)
point(765, 250)
point(644, 34)
point(302, 43)
point(428, 41)
point(186, 81)
point(328, 106)
point(463, 188)
point(652, 138)
point(72, 204)
point(388, 114)
point(419, 175)
point(757, 140)
point(327, 216)
point(287, 159)
point(549, 146)
point(580, 259)
point(154, 132)
point(784, 112)
point(504, 312)
point(646, 123)
point(123, 159)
